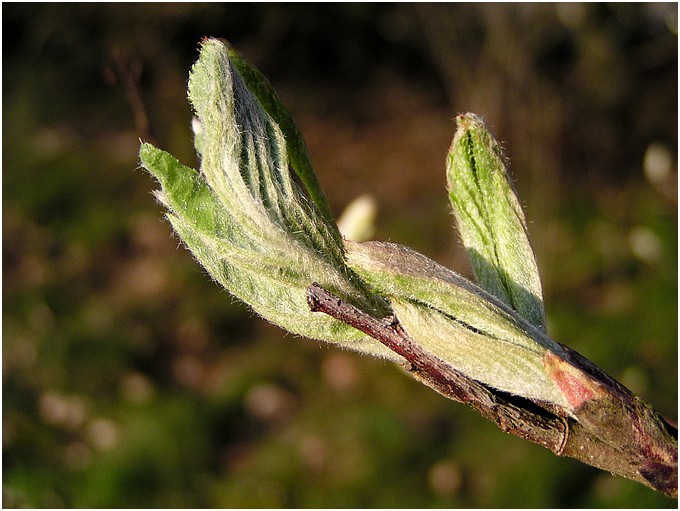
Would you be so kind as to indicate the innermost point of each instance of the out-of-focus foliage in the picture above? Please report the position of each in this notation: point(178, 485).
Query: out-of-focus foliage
point(131, 380)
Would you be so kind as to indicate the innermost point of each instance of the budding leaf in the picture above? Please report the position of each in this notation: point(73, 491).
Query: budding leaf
point(490, 220)
point(463, 325)
point(253, 216)
point(260, 87)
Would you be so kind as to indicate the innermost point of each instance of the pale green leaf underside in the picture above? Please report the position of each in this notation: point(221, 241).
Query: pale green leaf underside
point(458, 322)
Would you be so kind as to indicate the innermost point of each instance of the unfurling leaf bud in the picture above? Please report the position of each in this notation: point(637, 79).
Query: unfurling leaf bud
point(491, 221)
point(254, 216)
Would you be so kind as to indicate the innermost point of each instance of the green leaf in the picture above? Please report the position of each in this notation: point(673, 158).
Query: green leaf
point(245, 216)
point(490, 220)
point(460, 323)
point(260, 87)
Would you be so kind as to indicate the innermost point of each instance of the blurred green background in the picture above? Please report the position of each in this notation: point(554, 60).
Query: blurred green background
point(131, 380)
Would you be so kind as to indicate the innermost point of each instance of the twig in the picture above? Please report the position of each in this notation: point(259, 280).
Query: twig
point(127, 72)
point(619, 433)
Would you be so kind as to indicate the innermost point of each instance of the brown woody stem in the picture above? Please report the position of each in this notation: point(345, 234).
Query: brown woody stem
point(618, 433)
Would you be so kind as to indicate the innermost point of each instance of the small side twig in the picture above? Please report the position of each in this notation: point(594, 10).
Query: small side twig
point(127, 73)
point(650, 458)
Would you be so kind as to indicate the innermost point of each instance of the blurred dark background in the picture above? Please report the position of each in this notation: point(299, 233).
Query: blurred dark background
point(131, 380)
